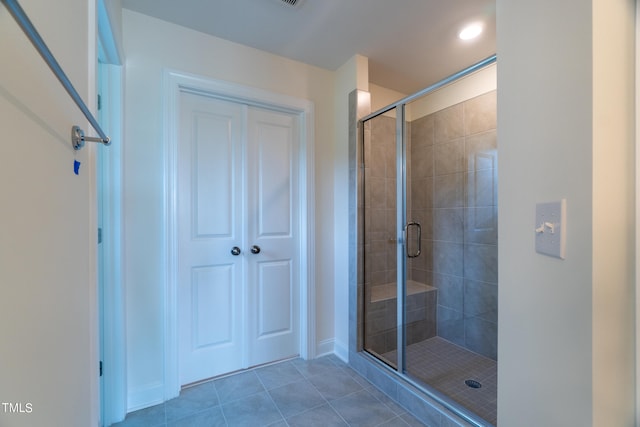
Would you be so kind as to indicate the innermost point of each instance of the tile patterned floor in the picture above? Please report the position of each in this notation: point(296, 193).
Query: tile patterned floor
point(445, 366)
point(322, 392)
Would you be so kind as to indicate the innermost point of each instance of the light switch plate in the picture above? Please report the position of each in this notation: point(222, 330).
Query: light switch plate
point(550, 228)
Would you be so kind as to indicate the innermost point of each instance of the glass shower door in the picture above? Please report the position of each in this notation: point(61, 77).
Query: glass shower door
point(420, 296)
point(399, 304)
point(380, 238)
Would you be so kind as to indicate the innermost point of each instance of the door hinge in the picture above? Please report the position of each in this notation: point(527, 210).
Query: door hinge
point(100, 368)
point(99, 235)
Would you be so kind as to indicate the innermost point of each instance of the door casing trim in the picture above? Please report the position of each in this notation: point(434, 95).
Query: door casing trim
point(637, 218)
point(174, 83)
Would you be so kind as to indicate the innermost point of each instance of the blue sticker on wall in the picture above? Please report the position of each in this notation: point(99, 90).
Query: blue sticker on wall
point(76, 167)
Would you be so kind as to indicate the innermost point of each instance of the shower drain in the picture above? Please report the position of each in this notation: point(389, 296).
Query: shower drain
point(473, 383)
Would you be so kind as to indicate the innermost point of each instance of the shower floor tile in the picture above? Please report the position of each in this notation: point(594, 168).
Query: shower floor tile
point(446, 366)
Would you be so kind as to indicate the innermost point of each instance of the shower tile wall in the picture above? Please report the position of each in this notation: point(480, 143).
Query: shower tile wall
point(453, 188)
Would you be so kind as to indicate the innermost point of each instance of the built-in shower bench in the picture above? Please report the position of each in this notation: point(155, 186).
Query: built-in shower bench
point(381, 313)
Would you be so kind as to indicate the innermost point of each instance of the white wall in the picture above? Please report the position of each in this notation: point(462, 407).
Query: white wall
point(565, 104)
point(48, 316)
point(352, 75)
point(151, 46)
point(382, 96)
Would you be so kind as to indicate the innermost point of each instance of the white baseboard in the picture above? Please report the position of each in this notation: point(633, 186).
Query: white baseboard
point(331, 346)
point(325, 347)
point(341, 350)
point(145, 396)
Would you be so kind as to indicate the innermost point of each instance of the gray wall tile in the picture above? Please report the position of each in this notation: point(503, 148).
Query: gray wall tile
point(481, 263)
point(481, 336)
point(480, 113)
point(481, 300)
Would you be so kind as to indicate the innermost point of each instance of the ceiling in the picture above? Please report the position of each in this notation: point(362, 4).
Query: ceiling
point(410, 43)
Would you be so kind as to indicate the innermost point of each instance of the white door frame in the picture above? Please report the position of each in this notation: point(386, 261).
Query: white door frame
point(113, 316)
point(113, 398)
point(176, 82)
point(637, 221)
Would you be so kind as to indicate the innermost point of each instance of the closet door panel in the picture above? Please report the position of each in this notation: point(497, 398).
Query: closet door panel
point(210, 203)
point(273, 272)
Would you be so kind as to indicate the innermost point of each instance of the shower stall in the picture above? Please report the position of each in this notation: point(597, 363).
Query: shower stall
point(426, 225)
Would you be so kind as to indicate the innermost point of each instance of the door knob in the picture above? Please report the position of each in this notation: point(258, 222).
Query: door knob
point(235, 251)
point(255, 249)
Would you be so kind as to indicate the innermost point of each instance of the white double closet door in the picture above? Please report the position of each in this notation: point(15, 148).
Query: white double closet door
point(238, 236)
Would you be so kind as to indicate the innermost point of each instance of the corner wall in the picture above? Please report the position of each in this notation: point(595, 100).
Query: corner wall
point(352, 75)
point(48, 308)
point(565, 110)
point(613, 211)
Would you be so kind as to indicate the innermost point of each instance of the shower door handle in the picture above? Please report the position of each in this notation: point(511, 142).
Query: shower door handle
point(418, 239)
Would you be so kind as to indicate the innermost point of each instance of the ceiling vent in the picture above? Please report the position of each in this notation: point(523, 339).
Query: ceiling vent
point(290, 2)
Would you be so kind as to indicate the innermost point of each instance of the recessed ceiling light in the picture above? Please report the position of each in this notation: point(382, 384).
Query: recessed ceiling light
point(471, 31)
